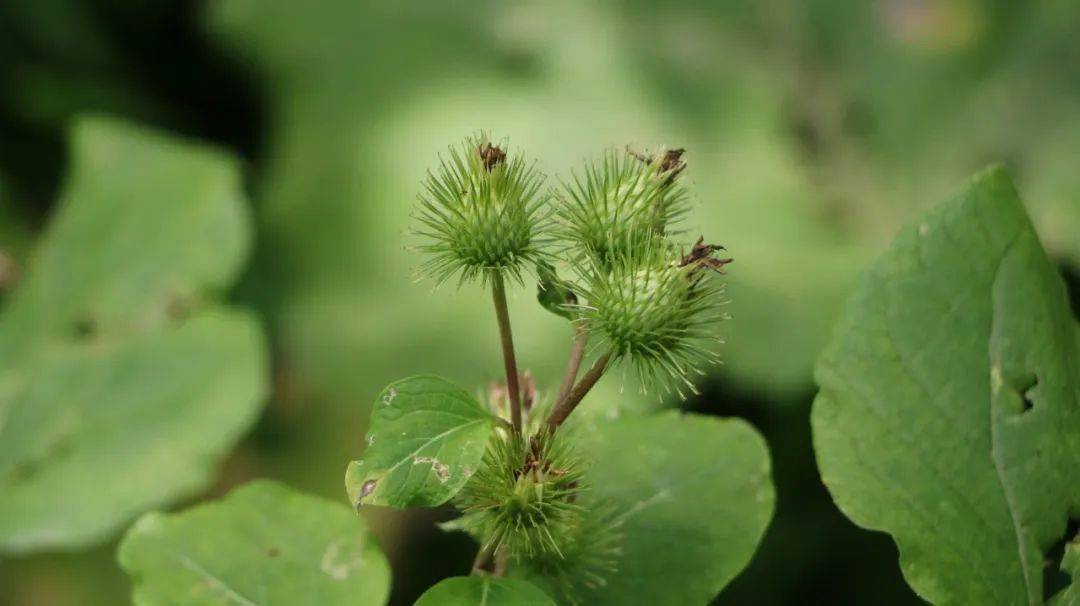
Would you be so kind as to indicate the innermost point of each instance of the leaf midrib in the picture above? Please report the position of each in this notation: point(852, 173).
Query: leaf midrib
point(232, 594)
point(999, 465)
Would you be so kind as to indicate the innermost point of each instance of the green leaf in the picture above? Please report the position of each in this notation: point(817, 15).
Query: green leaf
point(427, 437)
point(121, 383)
point(262, 544)
point(949, 411)
point(692, 496)
point(484, 591)
point(553, 293)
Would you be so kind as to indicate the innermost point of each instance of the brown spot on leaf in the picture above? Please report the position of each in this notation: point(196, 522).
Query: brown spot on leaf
point(368, 488)
point(442, 471)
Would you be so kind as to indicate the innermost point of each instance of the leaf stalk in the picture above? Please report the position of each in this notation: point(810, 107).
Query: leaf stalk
point(563, 409)
point(577, 353)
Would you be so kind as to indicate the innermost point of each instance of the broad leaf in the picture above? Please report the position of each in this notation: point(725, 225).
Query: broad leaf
point(484, 591)
point(692, 497)
point(949, 411)
point(427, 436)
point(262, 544)
point(121, 385)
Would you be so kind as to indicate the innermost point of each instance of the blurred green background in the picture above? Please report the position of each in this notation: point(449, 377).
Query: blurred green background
point(814, 129)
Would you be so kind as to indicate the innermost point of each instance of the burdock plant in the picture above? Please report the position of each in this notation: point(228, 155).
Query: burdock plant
point(608, 207)
point(483, 216)
point(605, 251)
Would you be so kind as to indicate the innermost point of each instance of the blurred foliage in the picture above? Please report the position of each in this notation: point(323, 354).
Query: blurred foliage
point(805, 157)
point(122, 382)
point(814, 130)
point(264, 543)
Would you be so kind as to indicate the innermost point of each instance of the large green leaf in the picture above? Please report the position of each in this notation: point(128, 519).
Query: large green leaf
point(263, 544)
point(949, 411)
point(484, 591)
point(121, 385)
point(427, 437)
point(692, 496)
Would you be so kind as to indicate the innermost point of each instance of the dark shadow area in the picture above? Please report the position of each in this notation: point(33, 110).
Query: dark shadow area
point(154, 65)
point(811, 553)
point(1071, 275)
point(432, 555)
point(1054, 578)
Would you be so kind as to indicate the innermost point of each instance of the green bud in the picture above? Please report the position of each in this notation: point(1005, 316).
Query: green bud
point(606, 208)
point(590, 554)
point(657, 310)
point(522, 499)
point(482, 211)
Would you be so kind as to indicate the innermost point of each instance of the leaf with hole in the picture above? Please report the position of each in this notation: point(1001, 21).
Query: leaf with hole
point(122, 381)
point(949, 410)
point(427, 436)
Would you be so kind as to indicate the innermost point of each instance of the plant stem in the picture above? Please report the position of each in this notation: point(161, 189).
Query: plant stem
point(498, 294)
point(483, 559)
point(568, 404)
point(577, 352)
point(501, 563)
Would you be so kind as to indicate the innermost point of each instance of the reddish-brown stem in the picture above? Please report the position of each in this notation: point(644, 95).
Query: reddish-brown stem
point(498, 294)
point(483, 560)
point(572, 399)
point(577, 352)
point(501, 563)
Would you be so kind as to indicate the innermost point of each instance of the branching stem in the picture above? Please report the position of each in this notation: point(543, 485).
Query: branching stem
point(577, 352)
point(572, 399)
point(498, 294)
